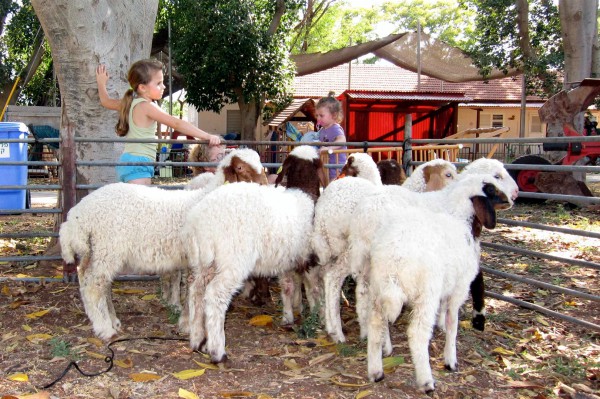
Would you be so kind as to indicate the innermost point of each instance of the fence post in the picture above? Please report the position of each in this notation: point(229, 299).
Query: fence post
point(68, 179)
point(407, 150)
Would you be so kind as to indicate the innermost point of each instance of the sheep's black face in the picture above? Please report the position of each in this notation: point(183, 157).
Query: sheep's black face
point(497, 197)
point(349, 169)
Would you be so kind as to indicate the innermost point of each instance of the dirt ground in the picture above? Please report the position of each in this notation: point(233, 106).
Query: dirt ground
point(521, 354)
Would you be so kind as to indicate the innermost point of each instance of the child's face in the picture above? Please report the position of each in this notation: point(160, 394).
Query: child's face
point(215, 154)
point(154, 89)
point(324, 117)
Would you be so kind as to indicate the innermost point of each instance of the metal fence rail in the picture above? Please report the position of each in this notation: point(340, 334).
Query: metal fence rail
point(512, 148)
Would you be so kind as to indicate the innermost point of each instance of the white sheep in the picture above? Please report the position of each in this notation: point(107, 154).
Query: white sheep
point(374, 208)
point(334, 215)
point(431, 278)
point(240, 230)
point(132, 228)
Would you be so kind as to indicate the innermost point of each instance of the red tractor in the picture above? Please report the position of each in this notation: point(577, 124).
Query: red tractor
point(562, 108)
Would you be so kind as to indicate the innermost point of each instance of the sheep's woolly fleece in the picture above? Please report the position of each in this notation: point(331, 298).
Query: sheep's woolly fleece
point(305, 152)
point(484, 166)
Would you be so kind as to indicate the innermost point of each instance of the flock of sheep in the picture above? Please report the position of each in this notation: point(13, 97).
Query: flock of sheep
point(415, 244)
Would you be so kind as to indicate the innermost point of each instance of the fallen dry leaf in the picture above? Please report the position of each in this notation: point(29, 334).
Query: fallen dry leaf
point(207, 365)
point(182, 393)
point(187, 374)
point(363, 394)
point(39, 395)
point(144, 377)
point(261, 320)
point(502, 351)
point(37, 338)
point(21, 377)
point(126, 364)
point(236, 394)
point(37, 314)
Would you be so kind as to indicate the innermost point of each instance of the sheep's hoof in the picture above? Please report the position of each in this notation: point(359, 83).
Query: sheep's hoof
point(378, 377)
point(428, 388)
point(107, 336)
point(218, 359)
point(478, 322)
point(453, 368)
point(199, 347)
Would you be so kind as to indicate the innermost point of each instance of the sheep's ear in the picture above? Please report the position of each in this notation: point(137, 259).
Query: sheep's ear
point(348, 169)
point(484, 211)
point(229, 171)
point(427, 173)
point(320, 171)
point(283, 172)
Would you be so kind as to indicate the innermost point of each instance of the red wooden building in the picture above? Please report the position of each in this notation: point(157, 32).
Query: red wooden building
point(380, 115)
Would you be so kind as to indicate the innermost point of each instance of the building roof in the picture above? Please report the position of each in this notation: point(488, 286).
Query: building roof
point(394, 79)
point(406, 96)
point(304, 105)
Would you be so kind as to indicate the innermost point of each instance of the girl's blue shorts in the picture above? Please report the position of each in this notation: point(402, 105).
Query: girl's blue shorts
point(128, 173)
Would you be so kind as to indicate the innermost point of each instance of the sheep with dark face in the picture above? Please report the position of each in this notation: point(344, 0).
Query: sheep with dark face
point(431, 278)
point(391, 172)
point(242, 229)
point(151, 241)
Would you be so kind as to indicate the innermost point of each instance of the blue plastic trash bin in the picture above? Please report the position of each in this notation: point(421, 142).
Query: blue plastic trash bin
point(13, 175)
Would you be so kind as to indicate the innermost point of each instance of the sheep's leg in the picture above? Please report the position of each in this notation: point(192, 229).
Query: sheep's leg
point(419, 334)
point(170, 288)
point(93, 288)
point(333, 280)
point(450, 359)
point(477, 295)
point(183, 324)
point(216, 301)
point(362, 303)
point(375, 330)
point(196, 306)
point(297, 304)
point(116, 323)
point(314, 292)
point(288, 288)
point(441, 315)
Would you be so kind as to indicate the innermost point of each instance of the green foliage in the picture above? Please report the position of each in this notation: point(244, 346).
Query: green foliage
point(17, 48)
point(342, 25)
point(347, 350)
point(61, 348)
point(496, 43)
point(310, 324)
point(226, 53)
point(441, 19)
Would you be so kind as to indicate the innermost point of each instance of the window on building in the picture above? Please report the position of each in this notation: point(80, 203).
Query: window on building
point(491, 120)
point(535, 124)
point(234, 121)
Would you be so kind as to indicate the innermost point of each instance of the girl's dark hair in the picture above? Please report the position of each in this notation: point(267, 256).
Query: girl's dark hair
point(141, 72)
point(334, 106)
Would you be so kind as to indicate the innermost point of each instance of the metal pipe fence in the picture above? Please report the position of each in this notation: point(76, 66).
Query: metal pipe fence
point(513, 147)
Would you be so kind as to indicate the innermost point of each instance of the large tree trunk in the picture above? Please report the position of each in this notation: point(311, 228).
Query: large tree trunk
point(82, 34)
point(580, 42)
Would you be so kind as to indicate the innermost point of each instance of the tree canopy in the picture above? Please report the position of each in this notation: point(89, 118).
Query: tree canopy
point(24, 53)
point(227, 50)
point(519, 34)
